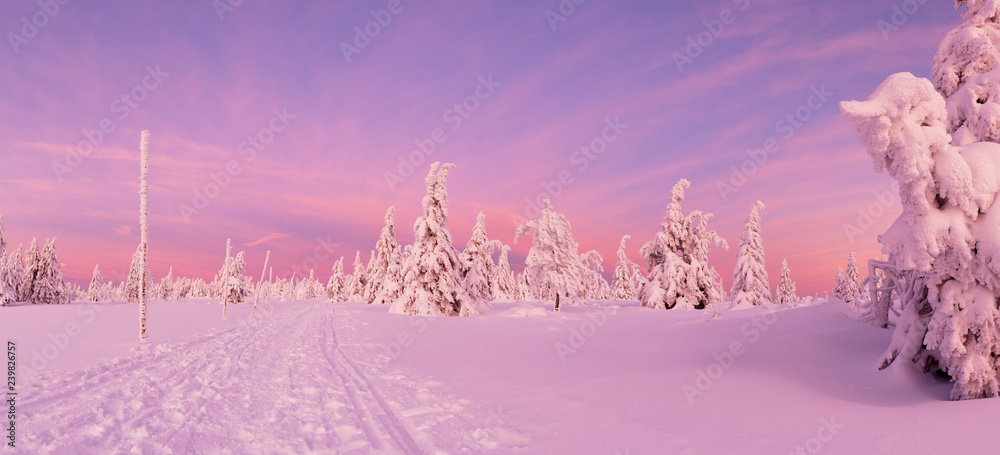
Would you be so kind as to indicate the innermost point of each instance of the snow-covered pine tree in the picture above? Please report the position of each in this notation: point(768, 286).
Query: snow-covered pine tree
point(785, 294)
point(622, 285)
point(96, 284)
point(32, 264)
point(134, 280)
point(15, 264)
point(966, 71)
point(7, 292)
point(238, 283)
point(432, 269)
point(750, 283)
point(554, 263)
point(840, 286)
point(49, 287)
point(478, 259)
point(166, 289)
point(335, 287)
point(504, 283)
point(677, 259)
point(943, 250)
point(355, 291)
point(385, 278)
point(308, 288)
point(852, 282)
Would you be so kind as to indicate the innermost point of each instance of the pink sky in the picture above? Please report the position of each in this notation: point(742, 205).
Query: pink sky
point(320, 184)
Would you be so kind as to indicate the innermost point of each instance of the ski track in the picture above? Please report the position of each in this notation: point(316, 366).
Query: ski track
point(276, 384)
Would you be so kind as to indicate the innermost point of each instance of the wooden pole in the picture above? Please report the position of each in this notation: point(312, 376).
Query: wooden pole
point(143, 227)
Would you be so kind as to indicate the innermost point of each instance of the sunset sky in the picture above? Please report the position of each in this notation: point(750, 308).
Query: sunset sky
point(346, 109)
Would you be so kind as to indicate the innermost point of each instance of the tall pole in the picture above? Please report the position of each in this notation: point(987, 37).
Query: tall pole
point(225, 280)
point(143, 227)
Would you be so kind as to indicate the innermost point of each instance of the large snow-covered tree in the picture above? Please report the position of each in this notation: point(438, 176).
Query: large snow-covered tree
point(677, 259)
point(432, 269)
point(385, 278)
point(554, 264)
point(750, 283)
point(623, 285)
point(478, 260)
point(236, 286)
point(941, 274)
point(15, 274)
point(32, 265)
point(785, 293)
point(504, 282)
point(966, 71)
point(335, 287)
point(840, 285)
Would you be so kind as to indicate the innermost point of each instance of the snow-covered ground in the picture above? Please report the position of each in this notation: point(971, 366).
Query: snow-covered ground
point(316, 377)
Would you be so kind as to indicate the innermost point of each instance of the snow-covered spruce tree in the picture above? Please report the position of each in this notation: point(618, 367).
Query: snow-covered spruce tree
point(852, 282)
point(236, 286)
point(29, 277)
point(432, 269)
point(943, 251)
point(15, 265)
point(96, 283)
point(677, 259)
point(554, 263)
point(355, 291)
point(966, 71)
point(7, 290)
point(385, 278)
point(840, 285)
point(479, 267)
point(308, 288)
point(335, 287)
point(49, 287)
point(134, 280)
point(623, 286)
point(750, 283)
point(785, 294)
point(165, 292)
point(504, 283)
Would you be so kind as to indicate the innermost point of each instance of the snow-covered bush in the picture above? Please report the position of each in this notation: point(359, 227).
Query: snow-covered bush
point(943, 264)
point(750, 283)
point(677, 259)
point(432, 269)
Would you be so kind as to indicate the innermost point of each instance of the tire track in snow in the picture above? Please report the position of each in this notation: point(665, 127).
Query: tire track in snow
point(379, 421)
